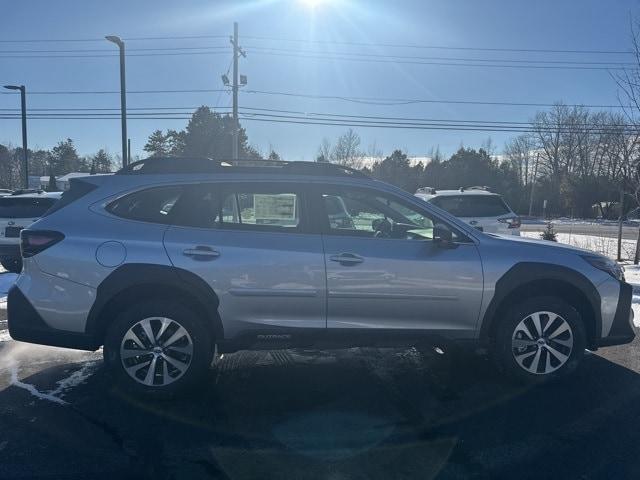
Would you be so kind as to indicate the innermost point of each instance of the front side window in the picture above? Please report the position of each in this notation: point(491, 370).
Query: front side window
point(151, 205)
point(369, 214)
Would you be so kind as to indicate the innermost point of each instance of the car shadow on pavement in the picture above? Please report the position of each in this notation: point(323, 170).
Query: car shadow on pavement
point(358, 413)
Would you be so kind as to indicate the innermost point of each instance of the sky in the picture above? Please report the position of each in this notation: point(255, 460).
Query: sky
point(287, 43)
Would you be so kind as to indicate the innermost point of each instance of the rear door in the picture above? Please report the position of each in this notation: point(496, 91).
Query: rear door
point(250, 242)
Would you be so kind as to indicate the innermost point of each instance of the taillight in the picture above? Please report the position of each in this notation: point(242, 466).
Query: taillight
point(513, 222)
point(33, 242)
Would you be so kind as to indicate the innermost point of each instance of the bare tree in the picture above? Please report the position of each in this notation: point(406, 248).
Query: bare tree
point(324, 151)
point(520, 152)
point(347, 150)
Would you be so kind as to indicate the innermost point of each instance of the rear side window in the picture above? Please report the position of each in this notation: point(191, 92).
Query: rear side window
point(254, 207)
point(151, 205)
point(261, 209)
point(24, 207)
point(472, 205)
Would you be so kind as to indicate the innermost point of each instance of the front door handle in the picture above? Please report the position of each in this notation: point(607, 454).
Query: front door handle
point(346, 258)
point(201, 252)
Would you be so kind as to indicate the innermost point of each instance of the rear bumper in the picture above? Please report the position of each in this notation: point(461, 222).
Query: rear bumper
point(9, 250)
point(622, 330)
point(26, 325)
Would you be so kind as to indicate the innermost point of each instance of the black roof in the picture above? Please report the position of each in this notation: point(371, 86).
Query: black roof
point(174, 165)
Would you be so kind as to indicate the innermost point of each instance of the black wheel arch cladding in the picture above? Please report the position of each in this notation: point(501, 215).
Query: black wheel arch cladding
point(537, 278)
point(137, 281)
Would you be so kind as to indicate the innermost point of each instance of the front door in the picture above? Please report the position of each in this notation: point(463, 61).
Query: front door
point(249, 242)
point(384, 271)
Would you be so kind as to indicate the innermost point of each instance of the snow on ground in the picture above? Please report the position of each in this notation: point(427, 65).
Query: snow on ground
point(600, 244)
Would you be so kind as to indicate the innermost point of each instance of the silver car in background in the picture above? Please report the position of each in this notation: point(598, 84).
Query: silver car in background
point(171, 260)
point(18, 210)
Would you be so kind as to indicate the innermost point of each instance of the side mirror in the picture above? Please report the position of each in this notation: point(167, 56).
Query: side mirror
point(442, 235)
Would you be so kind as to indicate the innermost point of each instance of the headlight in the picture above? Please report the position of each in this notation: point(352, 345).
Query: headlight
point(606, 265)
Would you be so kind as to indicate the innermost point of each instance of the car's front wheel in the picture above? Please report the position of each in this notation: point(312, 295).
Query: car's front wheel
point(158, 347)
point(539, 339)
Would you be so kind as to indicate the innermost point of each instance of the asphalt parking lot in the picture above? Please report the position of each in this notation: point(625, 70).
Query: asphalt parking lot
point(347, 414)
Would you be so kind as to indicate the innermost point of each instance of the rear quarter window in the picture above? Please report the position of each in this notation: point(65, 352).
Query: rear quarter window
point(472, 205)
point(25, 207)
point(152, 205)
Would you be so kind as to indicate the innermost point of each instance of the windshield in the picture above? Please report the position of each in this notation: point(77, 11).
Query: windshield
point(28, 207)
point(472, 205)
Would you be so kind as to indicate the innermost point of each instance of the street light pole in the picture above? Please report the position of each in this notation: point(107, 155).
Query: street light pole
point(23, 105)
point(123, 97)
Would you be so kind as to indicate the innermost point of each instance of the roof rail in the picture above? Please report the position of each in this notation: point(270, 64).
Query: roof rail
point(24, 191)
point(164, 165)
point(477, 187)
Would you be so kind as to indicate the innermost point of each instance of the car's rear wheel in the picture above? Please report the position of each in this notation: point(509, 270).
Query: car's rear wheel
point(13, 265)
point(539, 339)
point(158, 348)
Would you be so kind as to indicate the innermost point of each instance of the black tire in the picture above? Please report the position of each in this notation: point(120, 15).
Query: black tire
point(201, 339)
point(13, 265)
point(505, 354)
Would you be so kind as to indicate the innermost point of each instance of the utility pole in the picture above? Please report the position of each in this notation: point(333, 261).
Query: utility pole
point(23, 105)
point(533, 183)
point(620, 224)
point(237, 51)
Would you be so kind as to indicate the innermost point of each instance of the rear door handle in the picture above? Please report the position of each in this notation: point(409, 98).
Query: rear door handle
point(201, 252)
point(346, 258)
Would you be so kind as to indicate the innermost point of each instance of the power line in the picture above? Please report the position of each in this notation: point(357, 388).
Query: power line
point(105, 92)
point(414, 57)
point(98, 50)
point(353, 57)
point(406, 101)
point(247, 110)
point(195, 50)
point(381, 101)
point(441, 47)
point(442, 64)
point(350, 122)
point(156, 54)
point(80, 40)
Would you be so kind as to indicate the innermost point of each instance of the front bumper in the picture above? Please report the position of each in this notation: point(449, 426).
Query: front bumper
point(26, 325)
point(622, 330)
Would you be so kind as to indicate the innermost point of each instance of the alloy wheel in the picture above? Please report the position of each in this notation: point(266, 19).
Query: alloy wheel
point(156, 351)
point(542, 342)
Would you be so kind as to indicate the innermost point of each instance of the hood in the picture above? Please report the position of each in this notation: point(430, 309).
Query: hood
point(542, 243)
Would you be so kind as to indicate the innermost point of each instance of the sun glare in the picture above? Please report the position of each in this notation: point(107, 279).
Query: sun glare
point(312, 3)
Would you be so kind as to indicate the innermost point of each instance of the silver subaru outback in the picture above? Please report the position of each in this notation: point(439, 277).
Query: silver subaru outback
point(171, 260)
